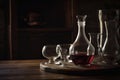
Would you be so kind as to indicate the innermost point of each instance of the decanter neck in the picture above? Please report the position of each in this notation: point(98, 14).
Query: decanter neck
point(81, 30)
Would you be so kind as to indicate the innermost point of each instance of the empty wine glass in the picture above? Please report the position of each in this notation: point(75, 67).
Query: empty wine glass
point(63, 50)
point(49, 52)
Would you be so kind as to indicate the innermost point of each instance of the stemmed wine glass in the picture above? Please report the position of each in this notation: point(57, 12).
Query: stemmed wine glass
point(49, 52)
point(94, 40)
point(63, 50)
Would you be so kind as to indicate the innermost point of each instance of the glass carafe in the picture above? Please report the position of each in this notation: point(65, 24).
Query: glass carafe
point(81, 51)
point(108, 44)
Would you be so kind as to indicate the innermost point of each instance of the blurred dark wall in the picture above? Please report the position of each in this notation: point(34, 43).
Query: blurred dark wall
point(4, 50)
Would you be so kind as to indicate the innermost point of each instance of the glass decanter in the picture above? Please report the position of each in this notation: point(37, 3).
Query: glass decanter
point(81, 51)
point(108, 42)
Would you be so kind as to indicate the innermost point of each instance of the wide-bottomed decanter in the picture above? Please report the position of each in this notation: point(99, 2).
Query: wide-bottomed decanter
point(81, 51)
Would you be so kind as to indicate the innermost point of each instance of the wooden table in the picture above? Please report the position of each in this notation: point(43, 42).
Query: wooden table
point(30, 70)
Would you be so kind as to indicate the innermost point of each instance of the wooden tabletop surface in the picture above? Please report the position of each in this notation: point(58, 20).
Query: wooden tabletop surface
point(30, 70)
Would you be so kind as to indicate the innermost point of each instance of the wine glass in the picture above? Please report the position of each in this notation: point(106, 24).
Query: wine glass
point(94, 40)
point(63, 50)
point(49, 52)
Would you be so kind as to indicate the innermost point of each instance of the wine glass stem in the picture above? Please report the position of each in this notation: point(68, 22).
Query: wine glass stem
point(51, 61)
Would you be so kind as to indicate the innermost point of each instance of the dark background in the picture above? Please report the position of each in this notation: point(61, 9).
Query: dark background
point(56, 24)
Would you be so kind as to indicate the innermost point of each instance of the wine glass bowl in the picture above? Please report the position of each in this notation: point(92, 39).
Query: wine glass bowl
point(49, 52)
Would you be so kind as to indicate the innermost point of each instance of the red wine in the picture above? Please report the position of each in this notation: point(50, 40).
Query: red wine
point(82, 59)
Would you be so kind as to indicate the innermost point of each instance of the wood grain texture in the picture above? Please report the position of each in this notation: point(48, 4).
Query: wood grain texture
point(30, 70)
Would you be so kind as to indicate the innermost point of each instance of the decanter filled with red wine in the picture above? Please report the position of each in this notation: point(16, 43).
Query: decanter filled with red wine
point(81, 50)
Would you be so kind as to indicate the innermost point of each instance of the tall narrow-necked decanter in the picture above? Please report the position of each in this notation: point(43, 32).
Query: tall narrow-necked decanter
point(81, 51)
point(109, 48)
